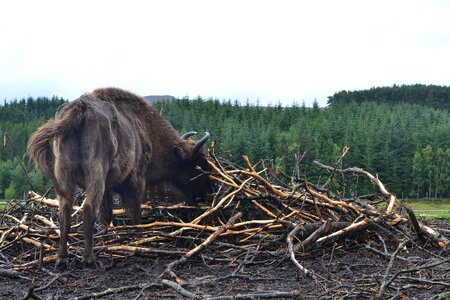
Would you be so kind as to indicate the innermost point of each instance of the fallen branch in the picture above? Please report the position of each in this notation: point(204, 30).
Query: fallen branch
point(289, 240)
point(178, 288)
point(435, 236)
point(415, 224)
point(324, 229)
point(351, 229)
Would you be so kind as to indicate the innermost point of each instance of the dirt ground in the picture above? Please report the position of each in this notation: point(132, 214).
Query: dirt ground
point(349, 271)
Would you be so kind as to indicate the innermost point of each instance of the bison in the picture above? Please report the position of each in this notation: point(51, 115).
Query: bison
point(111, 141)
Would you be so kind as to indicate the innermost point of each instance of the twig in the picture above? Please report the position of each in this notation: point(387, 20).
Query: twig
point(261, 295)
point(384, 254)
point(56, 277)
point(135, 249)
point(446, 284)
point(221, 202)
point(326, 185)
point(178, 288)
point(118, 290)
point(375, 181)
point(329, 201)
point(387, 282)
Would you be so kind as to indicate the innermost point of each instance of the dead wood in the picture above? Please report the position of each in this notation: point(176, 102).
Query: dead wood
point(293, 220)
point(435, 236)
point(290, 239)
point(351, 229)
point(415, 224)
point(324, 229)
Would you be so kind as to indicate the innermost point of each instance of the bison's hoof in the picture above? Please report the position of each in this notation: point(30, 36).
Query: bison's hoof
point(89, 262)
point(61, 264)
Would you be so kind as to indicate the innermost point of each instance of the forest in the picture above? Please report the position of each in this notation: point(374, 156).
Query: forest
point(400, 133)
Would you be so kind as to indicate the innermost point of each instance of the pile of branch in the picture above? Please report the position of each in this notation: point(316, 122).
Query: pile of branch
point(248, 210)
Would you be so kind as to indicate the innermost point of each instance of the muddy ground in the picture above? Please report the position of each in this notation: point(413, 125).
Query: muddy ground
point(349, 271)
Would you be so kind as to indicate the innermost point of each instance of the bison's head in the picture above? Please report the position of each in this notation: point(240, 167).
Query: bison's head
point(191, 168)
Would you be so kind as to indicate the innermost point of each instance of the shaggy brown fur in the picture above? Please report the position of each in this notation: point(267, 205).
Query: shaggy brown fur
point(110, 141)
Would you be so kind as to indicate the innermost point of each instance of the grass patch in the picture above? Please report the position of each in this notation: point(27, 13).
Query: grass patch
point(433, 209)
point(3, 204)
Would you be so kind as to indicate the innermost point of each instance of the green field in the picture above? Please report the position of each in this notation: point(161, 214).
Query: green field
point(430, 208)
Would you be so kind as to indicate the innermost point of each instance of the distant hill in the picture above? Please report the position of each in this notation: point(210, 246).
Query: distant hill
point(427, 95)
point(159, 98)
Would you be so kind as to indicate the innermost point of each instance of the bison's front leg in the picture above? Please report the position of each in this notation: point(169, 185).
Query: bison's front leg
point(106, 212)
point(65, 207)
point(132, 193)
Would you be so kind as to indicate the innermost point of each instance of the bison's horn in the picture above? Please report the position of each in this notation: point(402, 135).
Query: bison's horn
point(188, 134)
point(201, 142)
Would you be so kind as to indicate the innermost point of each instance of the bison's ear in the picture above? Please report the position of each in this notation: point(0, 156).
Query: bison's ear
point(181, 153)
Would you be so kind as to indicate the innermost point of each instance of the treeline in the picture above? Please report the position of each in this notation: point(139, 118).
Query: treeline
point(428, 95)
point(406, 144)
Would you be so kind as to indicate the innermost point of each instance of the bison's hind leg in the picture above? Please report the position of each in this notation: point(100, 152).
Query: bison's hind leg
point(64, 189)
point(65, 209)
point(95, 189)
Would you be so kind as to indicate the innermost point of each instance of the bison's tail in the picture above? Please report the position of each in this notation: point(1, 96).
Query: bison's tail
point(39, 148)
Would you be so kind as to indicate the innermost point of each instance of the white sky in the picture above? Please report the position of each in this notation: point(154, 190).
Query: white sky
point(268, 50)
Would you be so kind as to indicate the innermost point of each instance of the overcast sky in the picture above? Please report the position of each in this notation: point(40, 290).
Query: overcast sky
point(258, 50)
